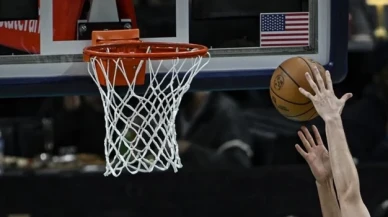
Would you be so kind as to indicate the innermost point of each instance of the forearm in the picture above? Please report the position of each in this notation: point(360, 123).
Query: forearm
point(328, 199)
point(344, 170)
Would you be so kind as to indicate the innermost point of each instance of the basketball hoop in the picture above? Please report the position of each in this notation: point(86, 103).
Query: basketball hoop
point(140, 129)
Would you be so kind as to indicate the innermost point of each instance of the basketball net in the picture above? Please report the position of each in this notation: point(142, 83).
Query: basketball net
point(140, 129)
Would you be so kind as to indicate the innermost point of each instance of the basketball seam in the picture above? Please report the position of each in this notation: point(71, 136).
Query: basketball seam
point(312, 116)
point(305, 112)
point(308, 65)
point(292, 79)
point(294, 103)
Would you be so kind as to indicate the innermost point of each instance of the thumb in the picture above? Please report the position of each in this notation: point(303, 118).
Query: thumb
point(345, 97)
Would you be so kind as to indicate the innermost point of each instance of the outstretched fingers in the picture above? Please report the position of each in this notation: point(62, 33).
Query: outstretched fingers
point(306, 93)
point(300, 151)
point(318, 78)
point(345, 97)
point(313, 85)
point(317, 135)
point(329, 82)
point(305, 142)
point(308, 136)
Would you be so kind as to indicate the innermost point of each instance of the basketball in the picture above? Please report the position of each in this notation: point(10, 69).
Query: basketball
point(284, 88)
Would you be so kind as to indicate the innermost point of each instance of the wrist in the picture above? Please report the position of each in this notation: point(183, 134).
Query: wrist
point(332, 118)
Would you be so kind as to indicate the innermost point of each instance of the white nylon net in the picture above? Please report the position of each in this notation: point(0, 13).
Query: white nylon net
point(140, 129)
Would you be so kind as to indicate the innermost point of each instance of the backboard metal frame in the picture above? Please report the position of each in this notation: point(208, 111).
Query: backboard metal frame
point(221, 80)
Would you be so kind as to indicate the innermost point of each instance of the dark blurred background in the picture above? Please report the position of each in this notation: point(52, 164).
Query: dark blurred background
point(52, 150)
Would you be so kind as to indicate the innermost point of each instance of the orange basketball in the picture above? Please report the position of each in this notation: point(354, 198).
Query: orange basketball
point(284, 88)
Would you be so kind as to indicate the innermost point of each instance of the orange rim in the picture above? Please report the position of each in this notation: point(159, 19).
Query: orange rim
point(138, 50)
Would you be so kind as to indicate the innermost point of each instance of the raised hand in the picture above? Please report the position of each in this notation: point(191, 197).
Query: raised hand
point(324, 100)
point(316, 154)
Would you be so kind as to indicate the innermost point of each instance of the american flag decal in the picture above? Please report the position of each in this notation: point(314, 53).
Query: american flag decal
point(284, 29)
